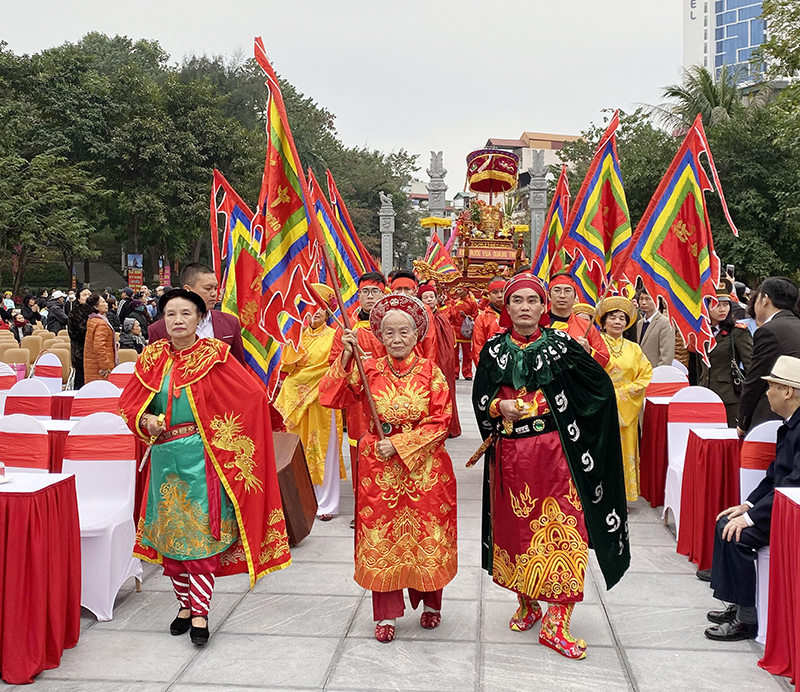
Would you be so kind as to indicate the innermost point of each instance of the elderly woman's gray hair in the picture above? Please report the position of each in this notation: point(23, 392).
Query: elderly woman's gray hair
point(129, 324)
point(399, 312)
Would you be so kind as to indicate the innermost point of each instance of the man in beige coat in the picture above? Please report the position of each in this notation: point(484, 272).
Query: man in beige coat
point(654, 333)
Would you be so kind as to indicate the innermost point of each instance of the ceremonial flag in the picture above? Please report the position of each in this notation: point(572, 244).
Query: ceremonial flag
point(672, 250)
point(545, 261)
point(236, 233)
point(599, 225)
point(589, 279)
point(269, 291)
point(347, 271)
point(439, 258)
point(359, 254)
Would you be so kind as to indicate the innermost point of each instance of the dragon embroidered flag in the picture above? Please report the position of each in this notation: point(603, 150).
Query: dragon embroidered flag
point(359, 254)
point(545, 261)
point(672, 250)
point(599, 225)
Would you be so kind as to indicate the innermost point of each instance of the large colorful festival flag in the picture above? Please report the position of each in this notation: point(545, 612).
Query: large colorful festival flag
point(545, 261)
point(358, 253)
point(589, 279)
point(347, 271)
point(439, 258)
point(236, 232)
point(672, 250)
point(599, 225)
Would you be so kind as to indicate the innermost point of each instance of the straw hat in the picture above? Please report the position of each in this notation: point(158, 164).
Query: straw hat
point(583, 309)
point(786, 371)
point(612, 303)
point(326, 293)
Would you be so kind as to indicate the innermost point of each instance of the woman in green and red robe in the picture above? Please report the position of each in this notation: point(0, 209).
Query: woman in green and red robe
point(211, 504)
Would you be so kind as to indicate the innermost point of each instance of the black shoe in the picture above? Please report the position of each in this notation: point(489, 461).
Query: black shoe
point(199, 635)
point(720, 617)
point(732, 631)
point(467, 379)
point(180, 625)
point(352, 523)
point(703, 574)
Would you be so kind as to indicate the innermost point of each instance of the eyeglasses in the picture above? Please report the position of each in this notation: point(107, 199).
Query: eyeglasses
point(370, 292)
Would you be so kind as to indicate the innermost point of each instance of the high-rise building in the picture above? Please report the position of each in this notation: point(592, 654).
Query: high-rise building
point(721, 32)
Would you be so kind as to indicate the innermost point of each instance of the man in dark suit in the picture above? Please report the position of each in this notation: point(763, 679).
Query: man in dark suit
point(778, 334)
point(201, 279)
point(743, 529)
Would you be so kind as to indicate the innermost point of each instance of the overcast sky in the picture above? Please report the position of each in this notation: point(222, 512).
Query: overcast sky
point(419, 75)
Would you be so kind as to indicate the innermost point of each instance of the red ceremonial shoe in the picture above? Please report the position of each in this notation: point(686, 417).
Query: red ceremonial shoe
point(384, 633)
point(527, 615)
point(430, 619)
point(555, 632)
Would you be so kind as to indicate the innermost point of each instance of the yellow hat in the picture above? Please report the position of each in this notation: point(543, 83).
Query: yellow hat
point(326, 293)
point(583, 309)
point(616, 303)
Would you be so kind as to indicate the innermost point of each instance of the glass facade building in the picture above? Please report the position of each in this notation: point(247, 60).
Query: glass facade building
point(738, 30)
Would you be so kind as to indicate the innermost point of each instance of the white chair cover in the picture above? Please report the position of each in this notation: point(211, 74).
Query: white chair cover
point(762, 593)
point(105, 504)
point(30, 388)
point(680, 367)
point(750, 478)
point(678, 437)
point(97, 390)
point(54, 384)
point(13, 431)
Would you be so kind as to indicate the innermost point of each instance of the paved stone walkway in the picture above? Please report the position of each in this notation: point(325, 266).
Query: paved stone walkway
point(310, 626)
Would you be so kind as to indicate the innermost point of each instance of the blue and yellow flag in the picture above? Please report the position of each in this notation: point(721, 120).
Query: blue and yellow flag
point(599, 225)
point(672, 250)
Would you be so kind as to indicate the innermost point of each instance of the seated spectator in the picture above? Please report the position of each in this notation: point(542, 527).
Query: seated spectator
point(131, 336)
point(139, 313)
point(743, 529)
point(20, 327)
point(8, 300)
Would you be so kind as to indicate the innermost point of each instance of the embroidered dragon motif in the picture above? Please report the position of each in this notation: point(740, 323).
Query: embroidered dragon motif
point(228, 436)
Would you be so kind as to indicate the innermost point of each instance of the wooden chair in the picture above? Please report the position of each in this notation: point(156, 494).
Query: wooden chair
point(128, 355)
point(66, 363)
point(13, 356)
point(34, 344)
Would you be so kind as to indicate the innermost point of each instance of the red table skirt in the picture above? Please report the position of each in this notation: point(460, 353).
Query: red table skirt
point(40, 579)
point(653, 457)
point(61, 407)
point(710, 484)
point(782, 652)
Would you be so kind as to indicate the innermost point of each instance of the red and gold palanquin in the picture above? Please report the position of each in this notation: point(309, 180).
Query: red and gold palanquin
point(406, 534)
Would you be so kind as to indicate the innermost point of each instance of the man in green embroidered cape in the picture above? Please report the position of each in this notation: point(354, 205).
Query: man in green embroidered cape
point(553, 478)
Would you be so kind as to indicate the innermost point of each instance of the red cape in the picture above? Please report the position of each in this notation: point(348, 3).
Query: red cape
point(232, 416)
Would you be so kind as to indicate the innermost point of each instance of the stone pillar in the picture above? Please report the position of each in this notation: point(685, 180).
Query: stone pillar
point(386, 215)
point(436, 187)
point(537, 199)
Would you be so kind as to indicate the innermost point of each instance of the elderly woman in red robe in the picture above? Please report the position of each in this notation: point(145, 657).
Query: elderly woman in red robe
point(405, 487)
point(211, 504)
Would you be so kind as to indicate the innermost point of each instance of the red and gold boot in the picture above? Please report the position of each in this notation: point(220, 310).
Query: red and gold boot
point(555, 632)
point(527, 615)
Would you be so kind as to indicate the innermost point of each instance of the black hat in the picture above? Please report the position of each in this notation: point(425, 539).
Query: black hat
point(182, 293)
point(127, 291)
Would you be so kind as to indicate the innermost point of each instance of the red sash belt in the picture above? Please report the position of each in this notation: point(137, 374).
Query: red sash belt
point(697, 412)
point(100, 447)
point(86, 407)
point(7, 381)
point(26, 450)
point(176, 433)
point(31, 405)
point(49, 371)
point(757, 455)
point(665, 388)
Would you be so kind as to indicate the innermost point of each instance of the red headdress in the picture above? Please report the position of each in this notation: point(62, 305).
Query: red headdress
point(517, 283)
point(398, 301)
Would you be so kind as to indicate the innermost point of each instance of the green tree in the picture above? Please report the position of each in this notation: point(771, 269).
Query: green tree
point(781, 51)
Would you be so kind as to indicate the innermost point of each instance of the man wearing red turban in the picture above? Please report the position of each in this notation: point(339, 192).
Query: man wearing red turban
point(553, 478)
point(488, 321)
point(563, 295)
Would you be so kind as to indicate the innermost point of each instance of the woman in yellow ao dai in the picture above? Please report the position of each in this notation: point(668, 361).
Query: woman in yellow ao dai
point(319, 428)
point(631, 372)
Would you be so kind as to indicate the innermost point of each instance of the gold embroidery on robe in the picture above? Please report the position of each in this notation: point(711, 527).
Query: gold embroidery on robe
point(523, 505)
point(555, 563)
point(182, 527)
point(227, 435)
